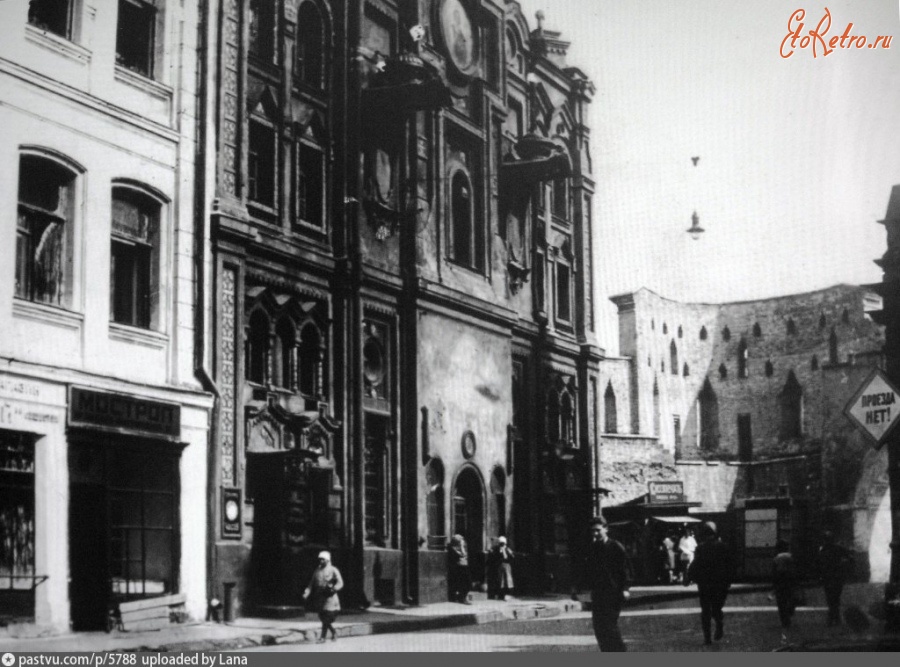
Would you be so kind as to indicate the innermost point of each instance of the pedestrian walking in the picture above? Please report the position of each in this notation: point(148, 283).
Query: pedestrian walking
point(458, 579)
point(322, 594)
point(603, 571)
point(668, 549)
point(711, 569)
point(499, 566)
point(835, 563)
point(784, 583)
point(687, 546)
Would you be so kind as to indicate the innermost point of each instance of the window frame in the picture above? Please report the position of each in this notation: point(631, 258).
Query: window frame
point(68, 32)
point(156, 29)
point(300, 73)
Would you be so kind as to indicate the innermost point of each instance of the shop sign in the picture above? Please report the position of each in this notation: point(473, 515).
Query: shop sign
point(122, 411)
point(873, 408)
point(25, 417)
point(666, 492)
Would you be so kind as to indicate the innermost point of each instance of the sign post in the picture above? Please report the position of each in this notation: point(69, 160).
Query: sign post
point(875, 408)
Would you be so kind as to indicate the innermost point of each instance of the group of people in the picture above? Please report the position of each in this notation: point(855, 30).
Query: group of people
point(677, 557)
point(498, 563)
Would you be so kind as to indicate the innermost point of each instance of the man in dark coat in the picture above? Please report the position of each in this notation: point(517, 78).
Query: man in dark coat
point(711, 570)
point(834, 564)
point(604, 573)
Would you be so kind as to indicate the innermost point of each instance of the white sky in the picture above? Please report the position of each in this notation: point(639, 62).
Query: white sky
point(797, 155)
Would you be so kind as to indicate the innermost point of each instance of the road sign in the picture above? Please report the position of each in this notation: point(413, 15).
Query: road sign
point(875, 407)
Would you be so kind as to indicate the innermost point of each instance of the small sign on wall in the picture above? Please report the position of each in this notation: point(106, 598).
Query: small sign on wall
point(666, 492)
point(231, 513)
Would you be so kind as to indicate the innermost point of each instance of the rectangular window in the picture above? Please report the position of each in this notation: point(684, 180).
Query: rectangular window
point(135, 46)
point(561, 199)
point(563, 293)
point(42, 237)
point(261, 165)
point(676, 426)
point(310, 185)
point(261, 19)
point(745, 438)
point(134, 229)
point(16, 525)
point(51, 15)
point(760, 528)
point(376, 475)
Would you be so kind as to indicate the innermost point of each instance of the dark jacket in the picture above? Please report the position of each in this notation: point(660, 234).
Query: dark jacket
point(712, 566)
point(835, 564)
point(604, 571)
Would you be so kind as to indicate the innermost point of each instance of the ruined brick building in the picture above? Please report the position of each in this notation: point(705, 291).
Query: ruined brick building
point(743, 404)
point(400, 199)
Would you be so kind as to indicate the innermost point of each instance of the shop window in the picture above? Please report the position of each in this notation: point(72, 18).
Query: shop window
point(44, 231)
point(261, 164)
point(136, 35)
point(52, 15)
point(134, 276)
point(790, 402)
point(434, 504)
point(310, 360)
point(257, 364)
point(833, 357)
point(611, 416)
point(673, 357)
point(563, 292)
point(742, 355)
point(310, 66)
point(310, 185)
point(377, 475)
point(261, 19)
point(285, 354)
point(709, 417)
point(17, 529)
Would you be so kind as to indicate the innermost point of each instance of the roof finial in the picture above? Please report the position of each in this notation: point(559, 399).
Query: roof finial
point(539, 15)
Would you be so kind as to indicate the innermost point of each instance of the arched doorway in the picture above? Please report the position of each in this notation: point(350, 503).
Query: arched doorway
point(468, 509)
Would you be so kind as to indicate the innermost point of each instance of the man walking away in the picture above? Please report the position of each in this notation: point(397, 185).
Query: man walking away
point(784, 582)
point(603, 572)
point(711, 570)
point(834, 565)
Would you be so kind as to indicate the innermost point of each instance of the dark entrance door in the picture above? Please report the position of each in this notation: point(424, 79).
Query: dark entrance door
point(123, 525)
point(468, 518)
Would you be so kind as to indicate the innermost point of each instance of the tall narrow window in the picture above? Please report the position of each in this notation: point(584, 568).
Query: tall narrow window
point(257, 364)
point(709, 417)
point(686, 370)
point(309, 360)
point(757, 330)
point(285, 354)
point(553, 417)
point(611, 415)
point(261, 164)
point(498, 504)
point(261, 29)
point(833, 357)
point(745, 438)
point(135, 39)
point(434, 504)
point(742, 359)
point(770, 369)
point(310, 185)
point(791, 403)
point(567, 418)
point(51, 15)
point(726, 334)
point(814, 363)
point(43, 231)
point(723, 372)
point(377, 473)
point(310, 68)
point(791, 327)
point(676, 427)
point(17, 566)
point(822, 321)
point(673, 358)
point(657, 413)
point(703, 333)
point(845, 316)
point(462, 210)
point(561, 198)
point(563, 292)
point(133, 274)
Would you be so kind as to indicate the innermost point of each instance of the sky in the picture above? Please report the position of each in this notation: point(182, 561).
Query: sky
point(797, 155)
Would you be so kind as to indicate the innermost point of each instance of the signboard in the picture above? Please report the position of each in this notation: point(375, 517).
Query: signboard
point(124, 412)
point(874, 407)
point(231, 513)
point(666, 492)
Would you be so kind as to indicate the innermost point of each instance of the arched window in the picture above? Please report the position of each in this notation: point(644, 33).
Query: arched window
point(833, 357)
point(742, 359)
point(462, 211)
point(553, 433)
point(770, 369)
point(845, 316)
point(44, 234)
point(723, 372)
point(309, 360)
point(726, 334)
point(814, 363)
point(757, 330)
point(611, 416)
point(665, 328)
point(822, 321)
point(686, 371)
point(285, 354)
point(310, 65)
point(515, 57)
point(680, 332)
point(791, 327)
point(434, 503)
point(709, 417)
point(257, 364)
point(134, 257)
point(261, 17)
point(703, 333)
point(673, 357)
point(498, 501)
point(567, 414)
point(657, 415)
point(791, 403)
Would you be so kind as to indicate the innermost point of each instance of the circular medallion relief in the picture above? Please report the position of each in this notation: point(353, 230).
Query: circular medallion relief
point(232, 511)
point(468, 444)
point(459, 37)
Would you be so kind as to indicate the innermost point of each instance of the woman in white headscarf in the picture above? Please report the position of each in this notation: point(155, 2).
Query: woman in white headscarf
point(322, 594)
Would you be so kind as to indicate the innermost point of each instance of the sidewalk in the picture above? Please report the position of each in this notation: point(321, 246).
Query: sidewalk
point(251, 632)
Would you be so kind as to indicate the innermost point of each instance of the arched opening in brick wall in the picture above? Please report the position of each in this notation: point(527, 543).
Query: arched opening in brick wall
point(790, 402)
point(709, 417)
point(609, 410)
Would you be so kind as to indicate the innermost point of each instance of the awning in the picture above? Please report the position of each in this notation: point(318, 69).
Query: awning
point(676, 519)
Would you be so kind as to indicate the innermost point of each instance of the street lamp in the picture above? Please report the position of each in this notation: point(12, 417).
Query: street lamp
point(695, 229)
